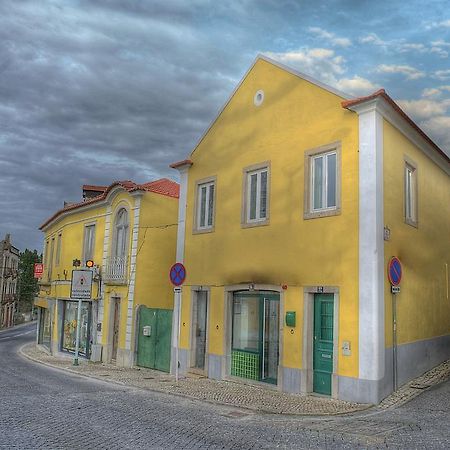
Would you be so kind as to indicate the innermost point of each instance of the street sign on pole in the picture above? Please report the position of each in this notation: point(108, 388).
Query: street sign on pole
point(177, 275)
point(80, 289)
point(394, 271)
point(81, 286)
point(394, 276)
point(38, 270)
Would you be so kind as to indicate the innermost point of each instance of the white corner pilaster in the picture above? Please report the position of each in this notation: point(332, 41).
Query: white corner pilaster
point(371, 244)
point(101, 301)
point(134, 250)
point(181, 234)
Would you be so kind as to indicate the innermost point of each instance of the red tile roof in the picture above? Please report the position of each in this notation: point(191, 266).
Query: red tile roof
point(164, 186)
point(382, 94)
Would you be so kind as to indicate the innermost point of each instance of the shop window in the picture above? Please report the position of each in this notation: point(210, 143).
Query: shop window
point(322, 182)
point(70, 327)
point(45, 328)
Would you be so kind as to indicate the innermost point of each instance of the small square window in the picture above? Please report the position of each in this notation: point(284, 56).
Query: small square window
point(205, 205)
point(410, 197)
point(256, 195)
point(322, 182)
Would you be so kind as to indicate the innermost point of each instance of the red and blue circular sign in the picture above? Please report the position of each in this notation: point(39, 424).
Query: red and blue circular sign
point(394, 271)
point(177, 274)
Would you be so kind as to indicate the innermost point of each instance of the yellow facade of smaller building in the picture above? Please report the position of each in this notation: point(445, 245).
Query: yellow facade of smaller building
point(129, 232)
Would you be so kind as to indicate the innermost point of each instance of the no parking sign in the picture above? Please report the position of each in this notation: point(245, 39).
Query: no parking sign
point(177, 274)
point(394, 271)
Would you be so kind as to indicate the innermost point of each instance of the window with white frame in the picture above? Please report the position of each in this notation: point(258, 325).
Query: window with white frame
point(410, 194)
point(89, 242)
point(205, 205)
point(256, 195)
point(121, 234)
point(58, 250)
point(50, 260)
point(322, 181)
point(323, 175)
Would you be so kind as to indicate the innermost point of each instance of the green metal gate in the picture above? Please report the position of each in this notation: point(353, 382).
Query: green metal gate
point(154, 339)
point(323, 343)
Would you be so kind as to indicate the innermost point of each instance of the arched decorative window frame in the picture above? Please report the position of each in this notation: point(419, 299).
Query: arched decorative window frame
point(113, 249)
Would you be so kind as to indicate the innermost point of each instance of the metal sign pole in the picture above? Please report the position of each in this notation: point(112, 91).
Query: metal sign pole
point(394, 339)
point(77, 338)
point(178, 329)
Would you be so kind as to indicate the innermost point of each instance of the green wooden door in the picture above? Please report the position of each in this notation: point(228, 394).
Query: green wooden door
point(323, 343)
point(163, 339)
point(154, 350)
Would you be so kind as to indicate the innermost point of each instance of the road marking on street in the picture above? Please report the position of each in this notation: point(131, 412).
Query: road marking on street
point(16, 335)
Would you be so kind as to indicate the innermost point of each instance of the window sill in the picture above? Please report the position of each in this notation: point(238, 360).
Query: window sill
point(412, 223)
point(323, 213)
point(203, 230)
point(261, 223)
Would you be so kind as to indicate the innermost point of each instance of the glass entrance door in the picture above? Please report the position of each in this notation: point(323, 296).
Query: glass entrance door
point(255, 336)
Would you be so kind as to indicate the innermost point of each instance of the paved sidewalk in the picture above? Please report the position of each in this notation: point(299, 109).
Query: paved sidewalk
point(240, 395)
point(233, 393)
point(415, 387)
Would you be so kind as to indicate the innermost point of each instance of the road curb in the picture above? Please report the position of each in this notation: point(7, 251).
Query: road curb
point(193, 398)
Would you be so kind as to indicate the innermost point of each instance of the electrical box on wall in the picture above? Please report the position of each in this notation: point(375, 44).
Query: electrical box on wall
point(147, 330)
point(290, 318)
point(346, 349)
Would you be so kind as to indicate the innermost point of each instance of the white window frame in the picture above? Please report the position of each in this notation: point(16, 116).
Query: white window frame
point(410, 193)
point(309, 212)
point(126, 227)
point(257, 170)
point(201, 184)
point(86, 242)
point(58, 249)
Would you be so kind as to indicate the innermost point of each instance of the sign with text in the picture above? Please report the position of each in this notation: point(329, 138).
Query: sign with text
point(81, 286)
point(38, 270)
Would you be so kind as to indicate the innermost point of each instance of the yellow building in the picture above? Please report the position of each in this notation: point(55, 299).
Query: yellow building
point(129, 232)
point(291, 205)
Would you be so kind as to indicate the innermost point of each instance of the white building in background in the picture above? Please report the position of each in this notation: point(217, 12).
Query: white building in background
point(9, 272)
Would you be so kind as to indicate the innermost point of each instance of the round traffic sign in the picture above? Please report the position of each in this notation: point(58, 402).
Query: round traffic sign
point(177, 274)
point(394, 271)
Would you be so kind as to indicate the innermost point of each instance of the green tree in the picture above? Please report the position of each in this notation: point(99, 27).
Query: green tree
point(28, 285)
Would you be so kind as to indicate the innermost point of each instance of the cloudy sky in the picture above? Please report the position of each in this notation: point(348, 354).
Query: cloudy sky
point(97, 91)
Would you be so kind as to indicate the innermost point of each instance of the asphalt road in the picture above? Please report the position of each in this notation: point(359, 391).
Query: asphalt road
point(44, 408)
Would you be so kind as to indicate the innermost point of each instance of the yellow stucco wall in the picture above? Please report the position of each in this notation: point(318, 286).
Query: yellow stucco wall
point(423, 306)
point(156, 252)
point(295, 116)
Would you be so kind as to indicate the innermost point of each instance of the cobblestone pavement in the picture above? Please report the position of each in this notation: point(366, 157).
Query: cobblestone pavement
point(256, 398)
point(44, 408)
point(415, 387)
